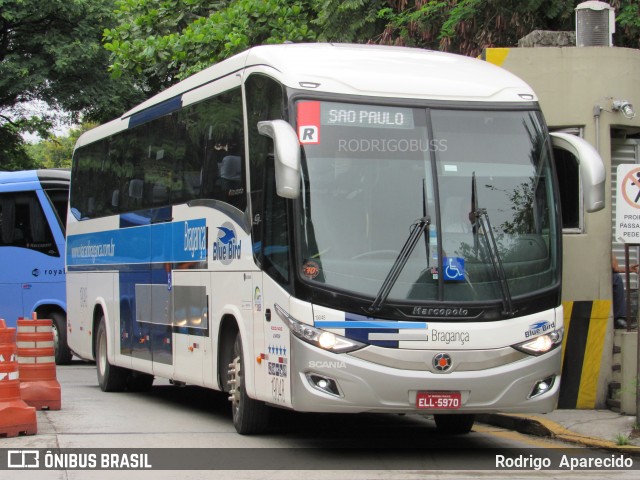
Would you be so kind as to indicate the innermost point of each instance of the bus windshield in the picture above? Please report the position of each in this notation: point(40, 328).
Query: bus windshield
point(480, 179)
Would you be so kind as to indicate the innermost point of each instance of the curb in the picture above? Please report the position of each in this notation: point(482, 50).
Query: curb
point(532, 425)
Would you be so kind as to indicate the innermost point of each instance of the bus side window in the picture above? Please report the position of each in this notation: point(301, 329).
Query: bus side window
point(265, 101)
point(25, 225)
point(276, 231)
point(7, 220)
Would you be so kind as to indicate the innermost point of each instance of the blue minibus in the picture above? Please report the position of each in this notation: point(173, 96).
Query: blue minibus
point(33, 211)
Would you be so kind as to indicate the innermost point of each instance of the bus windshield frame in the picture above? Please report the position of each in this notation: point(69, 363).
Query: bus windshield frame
point(371, 171)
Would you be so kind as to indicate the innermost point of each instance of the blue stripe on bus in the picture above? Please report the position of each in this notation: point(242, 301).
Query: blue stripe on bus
point(156, 111)
point(359, 327)
point(181, 242)
point(377, 324)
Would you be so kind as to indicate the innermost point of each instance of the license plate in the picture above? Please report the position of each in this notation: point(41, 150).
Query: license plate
point(439, 400)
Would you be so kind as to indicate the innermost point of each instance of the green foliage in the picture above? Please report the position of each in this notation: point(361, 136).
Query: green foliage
point(468, 26)
point(56, 151)
point(159, 42)
point(628, 23)
point(349, 21)
point(163, 41)
point(51, 51)
point(622, 439)
point(13, 155)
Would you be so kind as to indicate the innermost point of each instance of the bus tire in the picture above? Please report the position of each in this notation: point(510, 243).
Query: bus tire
point(63, 354)
point(110, 377)
point(454, 424)
point(249, 416)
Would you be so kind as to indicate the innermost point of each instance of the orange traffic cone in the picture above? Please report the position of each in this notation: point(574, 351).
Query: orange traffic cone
point(16, 417)
point(39, 385)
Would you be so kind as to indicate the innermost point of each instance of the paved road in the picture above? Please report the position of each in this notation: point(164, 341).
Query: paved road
point(191, 418)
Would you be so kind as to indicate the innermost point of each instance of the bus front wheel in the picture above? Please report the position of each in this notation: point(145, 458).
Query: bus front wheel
point(110, 377)
point(454, 424)
point(59, 325)
point(249, 416)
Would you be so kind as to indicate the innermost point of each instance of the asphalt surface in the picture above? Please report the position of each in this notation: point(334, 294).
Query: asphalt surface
point(192, 420)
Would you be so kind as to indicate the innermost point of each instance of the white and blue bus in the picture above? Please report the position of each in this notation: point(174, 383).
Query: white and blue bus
point(327, 228)
point(33, 210)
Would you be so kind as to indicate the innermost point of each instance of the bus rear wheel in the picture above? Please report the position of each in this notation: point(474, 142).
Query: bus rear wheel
point(454, 424)
point(249, 416)
point(110, 377)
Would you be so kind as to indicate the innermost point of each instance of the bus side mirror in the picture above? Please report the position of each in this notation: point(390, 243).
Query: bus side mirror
point(286, 152)
point(592, 171)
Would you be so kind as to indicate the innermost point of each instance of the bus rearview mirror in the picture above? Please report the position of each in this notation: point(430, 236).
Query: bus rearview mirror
point(592, 171)
point(286, 152)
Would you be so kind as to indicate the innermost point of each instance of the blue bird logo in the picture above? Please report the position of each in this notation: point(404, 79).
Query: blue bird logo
point(535, 326)
point(228, 235)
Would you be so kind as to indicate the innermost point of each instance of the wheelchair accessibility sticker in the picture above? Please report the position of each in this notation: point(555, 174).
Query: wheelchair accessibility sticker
point(453, 268)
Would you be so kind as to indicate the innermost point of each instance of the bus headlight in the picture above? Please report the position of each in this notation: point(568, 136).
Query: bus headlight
point(541, 344)
point(320, 338)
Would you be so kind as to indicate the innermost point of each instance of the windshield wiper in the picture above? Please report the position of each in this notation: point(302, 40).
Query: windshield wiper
point(483, 223)
point(417, 230)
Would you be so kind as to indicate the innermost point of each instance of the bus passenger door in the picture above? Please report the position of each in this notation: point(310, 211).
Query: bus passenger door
point(259, 333)
point(275, 258)
point(275, 368)
point(43, 255)
point(32, 263)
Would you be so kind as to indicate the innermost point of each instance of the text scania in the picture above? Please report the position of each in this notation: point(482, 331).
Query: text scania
point(195, 240)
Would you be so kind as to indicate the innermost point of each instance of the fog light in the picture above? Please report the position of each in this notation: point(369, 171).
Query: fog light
point(542, 386)
point(324, 384)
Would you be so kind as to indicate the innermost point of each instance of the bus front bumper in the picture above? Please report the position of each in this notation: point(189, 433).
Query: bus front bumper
point(326, 382)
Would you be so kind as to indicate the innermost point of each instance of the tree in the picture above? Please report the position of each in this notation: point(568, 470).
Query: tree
point(13, 155)
point(350, 21)
point(51, 51)
point(56, 151)
point(469, 26)
point(160, 42)
point(628, 20)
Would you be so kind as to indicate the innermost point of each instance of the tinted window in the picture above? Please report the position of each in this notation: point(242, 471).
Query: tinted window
point(24, 225)
point(194, 153)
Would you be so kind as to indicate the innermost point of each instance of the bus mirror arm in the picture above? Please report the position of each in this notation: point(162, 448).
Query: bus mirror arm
point(592, 171)
point(286, 152)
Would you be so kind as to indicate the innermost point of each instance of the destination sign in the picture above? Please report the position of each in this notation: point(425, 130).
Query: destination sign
point(351, 115)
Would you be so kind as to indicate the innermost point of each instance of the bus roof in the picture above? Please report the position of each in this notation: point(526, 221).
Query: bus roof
point(367, 70)
point(55, 175)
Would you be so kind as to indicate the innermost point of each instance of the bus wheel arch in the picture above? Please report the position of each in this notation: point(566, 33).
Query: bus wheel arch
point(249, 416)
point(227, 335)
point(110, 377)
